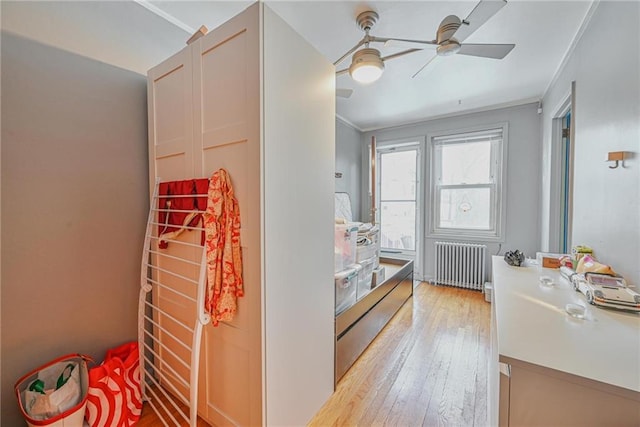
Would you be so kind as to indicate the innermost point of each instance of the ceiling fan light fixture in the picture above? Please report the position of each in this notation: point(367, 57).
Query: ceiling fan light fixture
point(366, 65)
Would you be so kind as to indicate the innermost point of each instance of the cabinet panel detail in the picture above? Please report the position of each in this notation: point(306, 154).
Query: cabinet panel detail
point(170, 100)
point(234, 158)
point(172, 168)
point(169, 106)
point(171, 148)
point(539, 399)
point(224, 73)
point(229, 404)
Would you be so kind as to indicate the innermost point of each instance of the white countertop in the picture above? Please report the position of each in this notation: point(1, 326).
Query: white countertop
point(532, 326)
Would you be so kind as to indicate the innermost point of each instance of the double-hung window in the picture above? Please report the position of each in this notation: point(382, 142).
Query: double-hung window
point(467, 184)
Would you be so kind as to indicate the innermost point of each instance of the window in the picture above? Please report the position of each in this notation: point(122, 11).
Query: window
point(466, 184)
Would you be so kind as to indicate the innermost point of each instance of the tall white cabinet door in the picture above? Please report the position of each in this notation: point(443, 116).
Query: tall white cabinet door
point(226, 69)
point(170, 106)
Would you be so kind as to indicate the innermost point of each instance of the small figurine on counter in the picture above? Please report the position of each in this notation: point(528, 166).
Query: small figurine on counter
point(514, 258)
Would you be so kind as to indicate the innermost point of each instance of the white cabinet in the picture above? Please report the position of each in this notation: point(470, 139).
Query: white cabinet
point(548, 368)
point(254, 98)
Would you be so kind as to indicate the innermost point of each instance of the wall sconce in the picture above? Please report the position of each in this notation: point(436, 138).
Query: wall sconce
point(616, 156)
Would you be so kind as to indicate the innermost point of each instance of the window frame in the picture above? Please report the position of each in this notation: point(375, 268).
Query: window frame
point(497, 186)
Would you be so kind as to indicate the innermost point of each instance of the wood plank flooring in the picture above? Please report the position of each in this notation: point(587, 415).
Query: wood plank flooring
point(150, 419)
point(428, 367)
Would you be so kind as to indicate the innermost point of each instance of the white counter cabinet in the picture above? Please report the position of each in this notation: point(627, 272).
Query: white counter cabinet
point(548, 368)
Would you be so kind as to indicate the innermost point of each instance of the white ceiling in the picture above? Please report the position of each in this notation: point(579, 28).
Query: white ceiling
point(137, 35)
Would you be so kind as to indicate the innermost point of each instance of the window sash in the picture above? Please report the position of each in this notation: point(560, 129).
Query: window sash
point(461, 138)
point(493, 166)
point(492, 209)
point(496, 137)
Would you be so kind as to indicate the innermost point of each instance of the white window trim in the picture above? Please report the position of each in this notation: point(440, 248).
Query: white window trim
point(500, 205)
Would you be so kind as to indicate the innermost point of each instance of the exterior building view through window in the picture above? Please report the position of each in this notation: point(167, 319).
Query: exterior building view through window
point(465, 202)
point(398, 193)
point(466, 183)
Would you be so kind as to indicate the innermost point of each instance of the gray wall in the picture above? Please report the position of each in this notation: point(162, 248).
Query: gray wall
point(349, 163)
point(606, 212)
point(523, 170)
point(74, 206)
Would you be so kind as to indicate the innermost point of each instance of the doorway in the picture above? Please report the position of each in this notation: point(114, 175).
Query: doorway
point(398, 202)
point(563, 143)
point(565, 181)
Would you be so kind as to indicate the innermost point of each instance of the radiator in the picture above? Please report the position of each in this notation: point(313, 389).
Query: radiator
point(460, 264)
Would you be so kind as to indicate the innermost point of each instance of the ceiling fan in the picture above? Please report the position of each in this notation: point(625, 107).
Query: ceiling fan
point(367, 65)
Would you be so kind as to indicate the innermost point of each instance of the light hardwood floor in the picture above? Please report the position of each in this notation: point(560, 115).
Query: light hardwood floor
point(427, 367)
point(150, 419)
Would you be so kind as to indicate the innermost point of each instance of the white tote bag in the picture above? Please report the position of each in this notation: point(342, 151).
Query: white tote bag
point(55, 394)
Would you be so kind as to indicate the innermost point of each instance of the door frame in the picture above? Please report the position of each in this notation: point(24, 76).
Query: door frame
point(406, 144)
point(556, 209)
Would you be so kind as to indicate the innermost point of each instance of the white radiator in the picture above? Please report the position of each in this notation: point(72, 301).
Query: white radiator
point(460, 264)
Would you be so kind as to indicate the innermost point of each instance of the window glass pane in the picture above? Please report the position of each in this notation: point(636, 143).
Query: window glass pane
point(466, 163)
point(398, 175)
point(465, 208)
point(398, 225)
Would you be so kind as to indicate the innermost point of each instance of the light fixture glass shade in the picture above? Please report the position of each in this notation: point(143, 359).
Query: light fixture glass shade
point(366, 65)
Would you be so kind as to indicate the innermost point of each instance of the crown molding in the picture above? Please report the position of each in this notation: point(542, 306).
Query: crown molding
point(164, 15)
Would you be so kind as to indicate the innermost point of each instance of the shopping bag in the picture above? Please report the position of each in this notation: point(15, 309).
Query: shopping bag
point(114, 389)
point(128, 354)
point(55, 394)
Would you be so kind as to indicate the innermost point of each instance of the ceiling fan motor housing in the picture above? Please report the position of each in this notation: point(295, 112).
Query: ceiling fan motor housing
point(368, 55)
point(366, 20)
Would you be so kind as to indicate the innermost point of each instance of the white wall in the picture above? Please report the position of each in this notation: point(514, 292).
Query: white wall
point(606, 211)
point(349, 163)
point(74, 207)
point(523, 170)
point(299, 163)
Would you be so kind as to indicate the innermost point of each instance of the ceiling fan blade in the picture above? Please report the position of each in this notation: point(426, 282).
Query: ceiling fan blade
point(344, 93)
point(341, 72)
point(413, 44)
point(425, 66)
point(478, 16)
point(495, 51)
point(350, 51)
